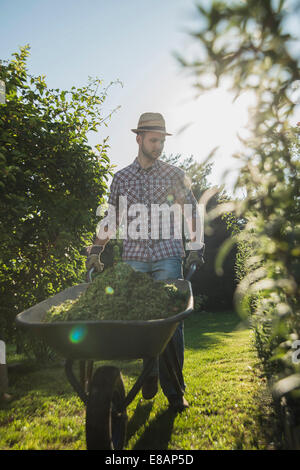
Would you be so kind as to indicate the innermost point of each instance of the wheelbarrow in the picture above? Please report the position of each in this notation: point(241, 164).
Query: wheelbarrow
point(86, 341)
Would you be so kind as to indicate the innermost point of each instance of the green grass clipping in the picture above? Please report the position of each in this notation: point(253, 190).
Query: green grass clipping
point(121, 293)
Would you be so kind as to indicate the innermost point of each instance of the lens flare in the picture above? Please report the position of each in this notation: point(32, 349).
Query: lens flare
point(77, 334)
point(109, 290)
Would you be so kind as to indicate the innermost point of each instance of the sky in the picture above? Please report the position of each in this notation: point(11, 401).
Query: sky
point(133, 41)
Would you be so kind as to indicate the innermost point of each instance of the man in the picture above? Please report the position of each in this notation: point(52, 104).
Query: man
point(150, 246)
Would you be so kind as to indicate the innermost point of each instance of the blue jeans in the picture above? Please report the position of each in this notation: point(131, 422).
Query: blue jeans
point(168, 268)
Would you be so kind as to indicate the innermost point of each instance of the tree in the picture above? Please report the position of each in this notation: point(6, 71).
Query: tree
point(246, 42)
point(51, 183)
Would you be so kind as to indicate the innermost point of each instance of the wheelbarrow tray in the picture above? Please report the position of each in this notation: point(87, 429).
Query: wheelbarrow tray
point(103, 339)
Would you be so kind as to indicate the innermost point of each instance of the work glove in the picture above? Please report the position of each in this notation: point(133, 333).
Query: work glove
point(195, 256)
point(93, 259)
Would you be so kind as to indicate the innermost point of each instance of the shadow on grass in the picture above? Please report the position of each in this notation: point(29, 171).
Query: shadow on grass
point(139, 418)
point(203, 329)
point(48, 380)
point(157, 434)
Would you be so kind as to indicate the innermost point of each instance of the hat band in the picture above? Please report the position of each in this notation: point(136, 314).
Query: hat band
point(151, 128)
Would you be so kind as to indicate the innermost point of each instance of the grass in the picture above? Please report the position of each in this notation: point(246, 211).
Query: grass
point(230, 405)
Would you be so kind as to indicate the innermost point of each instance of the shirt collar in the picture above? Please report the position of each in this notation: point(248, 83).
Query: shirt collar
point(137, 167)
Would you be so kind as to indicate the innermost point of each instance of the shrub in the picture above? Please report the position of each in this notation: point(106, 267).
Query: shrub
point(51, 183)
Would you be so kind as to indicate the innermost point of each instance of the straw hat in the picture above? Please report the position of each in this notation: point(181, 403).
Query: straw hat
point(151, 122)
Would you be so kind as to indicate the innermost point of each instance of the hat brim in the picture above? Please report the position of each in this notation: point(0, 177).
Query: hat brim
point(137, 131)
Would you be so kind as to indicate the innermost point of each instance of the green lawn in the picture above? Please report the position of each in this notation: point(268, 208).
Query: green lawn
point(230, 406)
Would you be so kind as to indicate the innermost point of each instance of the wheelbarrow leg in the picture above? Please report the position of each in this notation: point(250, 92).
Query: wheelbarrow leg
point(74, 382)
point(82, 373)
point(89, 374)
point(85, 374)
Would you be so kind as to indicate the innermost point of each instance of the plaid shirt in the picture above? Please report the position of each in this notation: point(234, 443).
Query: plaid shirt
point(162, 183)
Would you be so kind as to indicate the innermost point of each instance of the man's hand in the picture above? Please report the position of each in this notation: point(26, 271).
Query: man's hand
point(195, 256)
point(94, 260)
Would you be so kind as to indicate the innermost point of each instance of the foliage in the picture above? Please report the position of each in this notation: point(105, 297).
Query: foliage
point(200, 301)
point(51, 183)
point(245, 42)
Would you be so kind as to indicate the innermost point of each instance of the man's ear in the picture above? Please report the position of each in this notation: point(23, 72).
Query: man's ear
point(139, 138)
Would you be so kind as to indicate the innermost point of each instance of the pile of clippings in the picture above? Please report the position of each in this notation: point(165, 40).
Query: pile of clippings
point(121, 293)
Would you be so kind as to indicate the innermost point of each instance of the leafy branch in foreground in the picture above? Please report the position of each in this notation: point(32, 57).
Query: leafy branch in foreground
point(245, 43)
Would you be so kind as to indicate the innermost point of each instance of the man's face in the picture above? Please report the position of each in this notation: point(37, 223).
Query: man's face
point(151, 144)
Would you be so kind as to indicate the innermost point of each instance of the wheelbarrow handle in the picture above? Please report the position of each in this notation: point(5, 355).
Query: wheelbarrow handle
point(191, 271)
point(89, 274)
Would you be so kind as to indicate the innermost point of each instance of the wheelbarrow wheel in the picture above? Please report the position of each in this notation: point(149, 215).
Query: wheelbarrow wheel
point(105, 421)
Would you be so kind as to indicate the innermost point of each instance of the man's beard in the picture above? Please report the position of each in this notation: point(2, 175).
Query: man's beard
point(148, 155)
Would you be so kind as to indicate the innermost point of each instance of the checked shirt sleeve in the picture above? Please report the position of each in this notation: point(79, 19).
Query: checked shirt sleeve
point(116, 200)
point(193, 214)
point(113, 199)
point(109, 224)
point(189, 196)
point(185, 194)
point(113, 196)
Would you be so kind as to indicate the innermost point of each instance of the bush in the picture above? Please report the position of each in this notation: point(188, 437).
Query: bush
point(51, 183)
